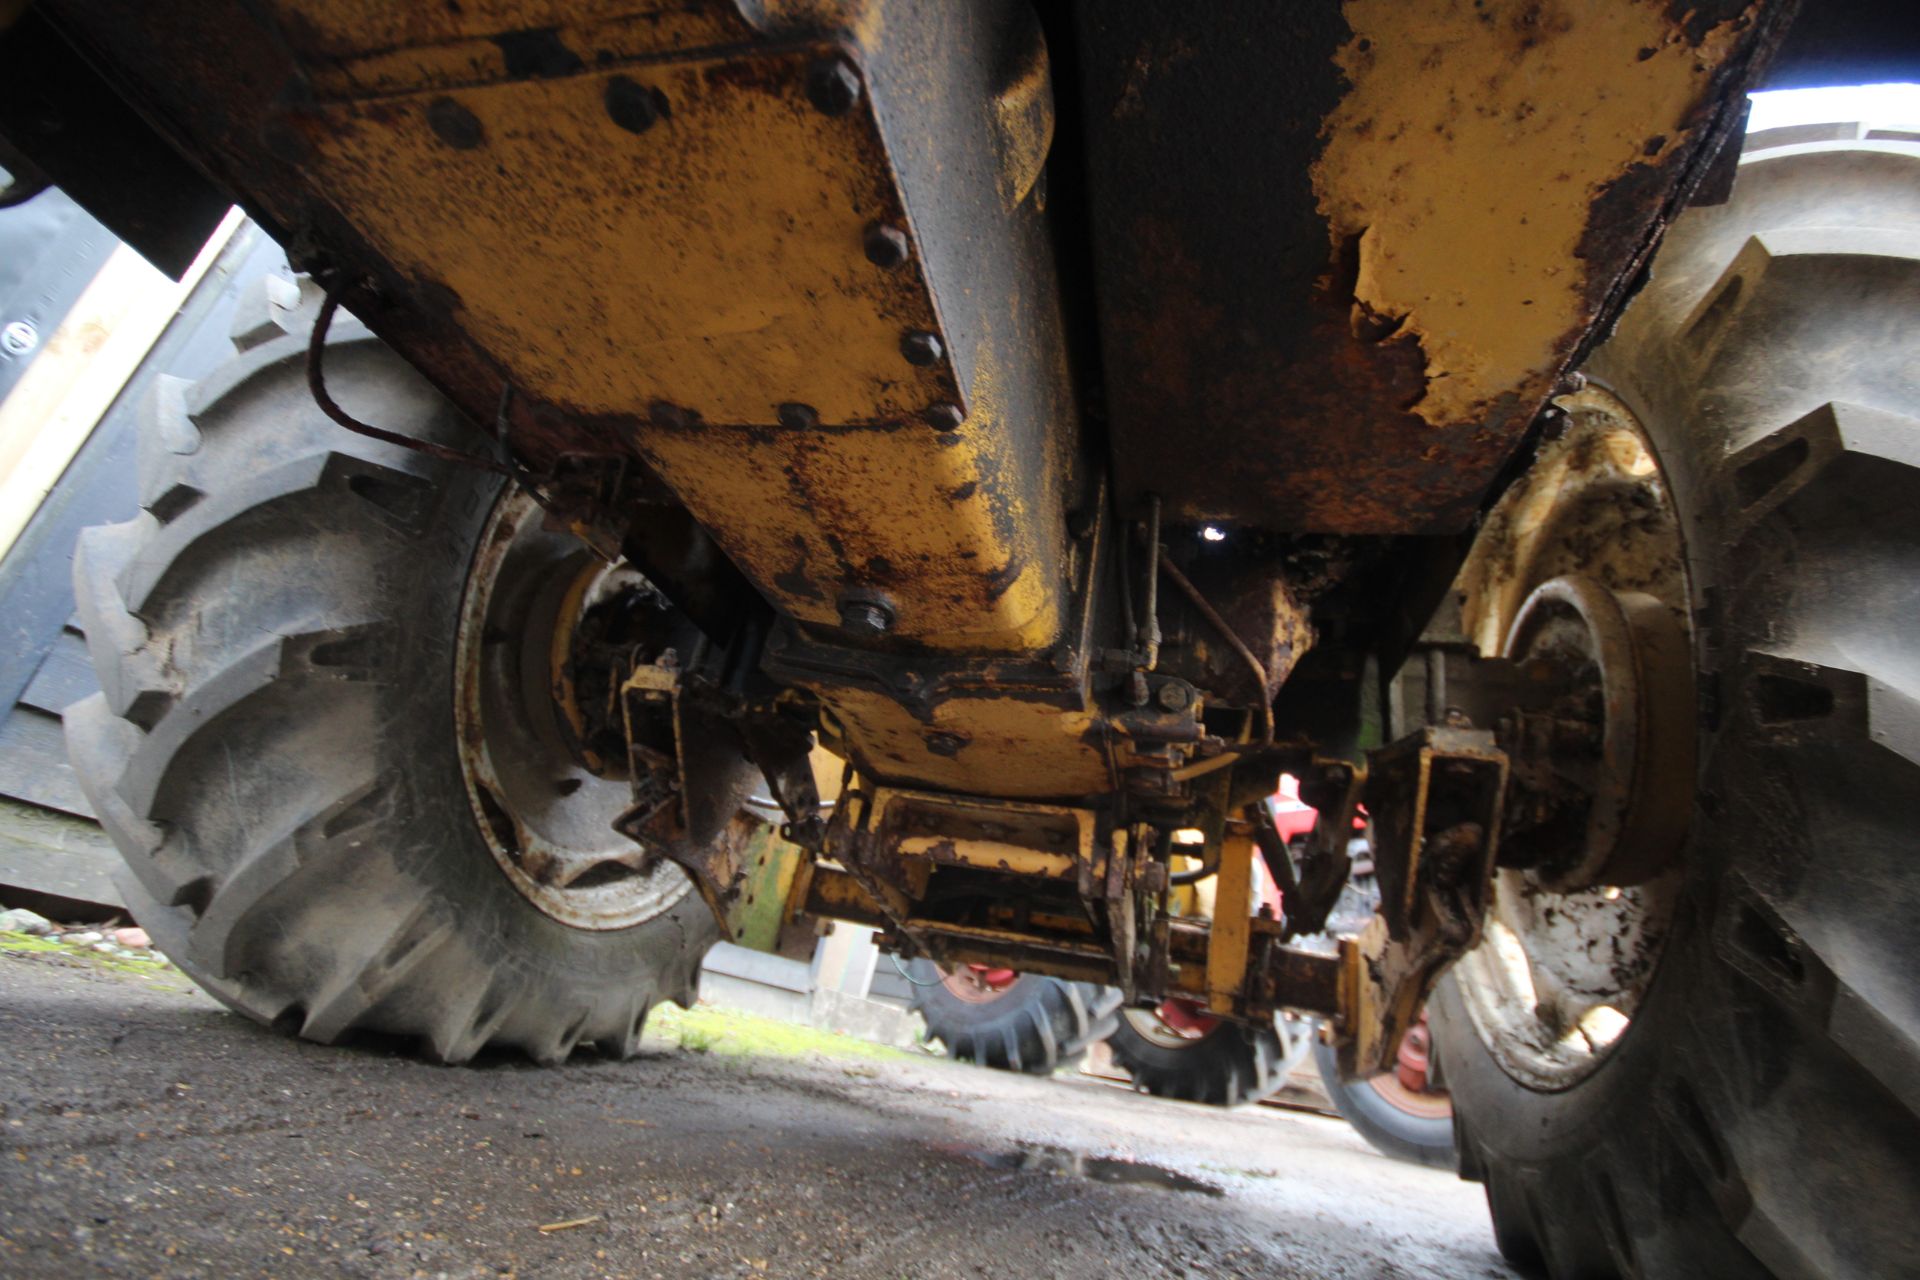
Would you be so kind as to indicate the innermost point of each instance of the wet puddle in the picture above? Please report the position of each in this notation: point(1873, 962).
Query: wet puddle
point(1071, 1164)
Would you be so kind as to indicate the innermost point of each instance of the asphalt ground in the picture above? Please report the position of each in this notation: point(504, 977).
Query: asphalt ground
point(147, 1131)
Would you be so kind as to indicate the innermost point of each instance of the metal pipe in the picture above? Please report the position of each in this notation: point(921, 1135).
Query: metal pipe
point(1154, 556)
point(1436, 686)
point(1124, 568)
point(1227, 633)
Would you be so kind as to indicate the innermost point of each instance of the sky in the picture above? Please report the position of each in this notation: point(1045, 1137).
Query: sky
point(1881, 105)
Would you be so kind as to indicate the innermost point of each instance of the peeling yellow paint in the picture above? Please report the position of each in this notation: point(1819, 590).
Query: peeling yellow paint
point(875, 509)
point(685, 282)
point(1014, 749)
point(712, 261)
point(1465, 159)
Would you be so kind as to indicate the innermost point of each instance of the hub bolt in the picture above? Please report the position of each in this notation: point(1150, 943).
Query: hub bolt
point(1174, 695)
point(943, 416)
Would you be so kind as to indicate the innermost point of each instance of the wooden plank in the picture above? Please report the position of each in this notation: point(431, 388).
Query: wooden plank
point(65, 676)
point(78, 374)
point(50, 852)
point(97, 487)
point(33, 763)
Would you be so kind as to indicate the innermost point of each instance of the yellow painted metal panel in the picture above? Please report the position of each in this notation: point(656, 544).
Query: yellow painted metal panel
point(1232, 930)
point(712, 262)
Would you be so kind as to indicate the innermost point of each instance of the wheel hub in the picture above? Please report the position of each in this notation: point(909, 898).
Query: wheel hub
point(1579, 577)
point(543, 792)
point(978, 983)
point(1172, 1024)
point(1603, 777)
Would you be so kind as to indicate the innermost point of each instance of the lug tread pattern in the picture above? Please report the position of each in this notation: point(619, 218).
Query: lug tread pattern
point(250, 634)
point(1038, 1026)
point(1229, 1067)
point(1770, 1132)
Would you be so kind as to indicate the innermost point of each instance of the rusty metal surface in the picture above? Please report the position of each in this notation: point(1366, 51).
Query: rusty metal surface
point(1435, 798)
point(543, 810)
point(744, 244)
point(1593, 508)
point(1350, 246)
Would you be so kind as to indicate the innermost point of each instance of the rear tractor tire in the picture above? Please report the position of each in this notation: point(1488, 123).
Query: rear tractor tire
point(1032, 1024)
point(1715, 1070)
point(1220, 1063)
point(308, 645)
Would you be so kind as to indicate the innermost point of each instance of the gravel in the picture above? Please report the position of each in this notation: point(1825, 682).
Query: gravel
point(21, 920)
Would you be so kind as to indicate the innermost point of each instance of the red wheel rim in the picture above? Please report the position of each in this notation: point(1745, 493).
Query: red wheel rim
point(1409, 1086)
point(976, 983)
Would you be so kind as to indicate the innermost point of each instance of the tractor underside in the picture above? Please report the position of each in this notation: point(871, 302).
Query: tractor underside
point(1068, 416)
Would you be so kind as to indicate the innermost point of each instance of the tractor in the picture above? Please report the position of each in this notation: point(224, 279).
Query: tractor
point(1006, 436)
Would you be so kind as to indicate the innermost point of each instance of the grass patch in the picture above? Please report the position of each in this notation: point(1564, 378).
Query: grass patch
point(82, 955)
point(705, 1029)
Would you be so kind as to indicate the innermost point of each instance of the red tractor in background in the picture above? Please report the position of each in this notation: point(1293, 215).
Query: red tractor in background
point(1000, 1018)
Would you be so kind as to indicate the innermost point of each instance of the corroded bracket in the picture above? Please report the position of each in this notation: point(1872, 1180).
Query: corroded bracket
point(691, 775)
point(1435, 798)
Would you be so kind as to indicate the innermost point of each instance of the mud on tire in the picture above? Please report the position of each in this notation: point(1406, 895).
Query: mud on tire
point(1758, 1116)
point(273, 749)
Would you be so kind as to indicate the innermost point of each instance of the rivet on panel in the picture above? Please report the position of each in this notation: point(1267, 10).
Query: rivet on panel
point(454, 125)
point(798, 416)
point(942, 416)
point(832, 86)
point(632, 105)
point(865, 615)
point(885, 246)
point(921, 348)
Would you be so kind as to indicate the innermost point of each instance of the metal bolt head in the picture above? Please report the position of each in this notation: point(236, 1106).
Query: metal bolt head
point(797, 416)
point(632, 105)
point(663, 413)
point(945, 744)
point(18, 338)
point(921, 348)
point(885, 246)
point(1174, 695)
point(832, 86)
point(865, 617)
point(942, 416)
point(454, 125)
